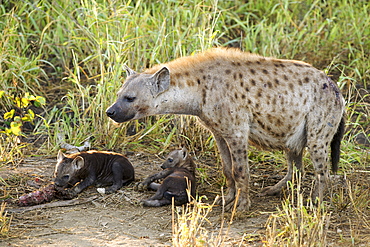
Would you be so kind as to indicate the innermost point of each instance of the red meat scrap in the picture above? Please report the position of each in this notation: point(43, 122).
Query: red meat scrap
point(44, 195)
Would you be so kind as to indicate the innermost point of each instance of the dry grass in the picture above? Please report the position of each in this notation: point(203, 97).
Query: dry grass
point(5, 221)
point(298, 222)
point(191, 226)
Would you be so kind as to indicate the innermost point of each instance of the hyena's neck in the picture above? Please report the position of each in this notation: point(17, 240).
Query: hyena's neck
point(190, 80)
point(184, 94)
point(179, 100)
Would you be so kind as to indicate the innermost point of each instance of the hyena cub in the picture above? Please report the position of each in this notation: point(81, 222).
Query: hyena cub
point(178, 175)
point(82, 169)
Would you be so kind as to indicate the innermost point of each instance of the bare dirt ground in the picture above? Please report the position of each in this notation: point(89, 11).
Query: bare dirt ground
point(119, 219)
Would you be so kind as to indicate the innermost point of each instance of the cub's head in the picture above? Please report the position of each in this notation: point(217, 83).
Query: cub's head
point(176, 158)
point(66, 169)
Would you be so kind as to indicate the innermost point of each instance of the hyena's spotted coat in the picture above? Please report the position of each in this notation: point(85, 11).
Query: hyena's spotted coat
point(241, 98)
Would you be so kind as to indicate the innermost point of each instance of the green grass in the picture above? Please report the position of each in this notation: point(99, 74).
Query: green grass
point(73, 53)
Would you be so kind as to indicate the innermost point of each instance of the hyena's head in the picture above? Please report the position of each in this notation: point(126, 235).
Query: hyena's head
point(137, 97)
point(179, 158)
point(67, 169)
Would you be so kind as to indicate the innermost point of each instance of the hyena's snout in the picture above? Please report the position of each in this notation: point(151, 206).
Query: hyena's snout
point(111, 111)
point(119, 113)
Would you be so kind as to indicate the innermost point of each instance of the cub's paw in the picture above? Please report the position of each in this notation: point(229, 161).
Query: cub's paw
point(67, 194)
point(111, 190)
point(141, 186)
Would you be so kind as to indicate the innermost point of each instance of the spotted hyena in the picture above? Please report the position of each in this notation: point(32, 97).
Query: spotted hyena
point(179, 176)
point(242, 97)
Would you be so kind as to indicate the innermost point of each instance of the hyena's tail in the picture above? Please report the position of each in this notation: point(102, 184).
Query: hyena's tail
point(335, 145)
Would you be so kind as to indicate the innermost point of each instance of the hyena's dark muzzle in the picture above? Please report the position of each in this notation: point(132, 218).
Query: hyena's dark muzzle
point(116, 113)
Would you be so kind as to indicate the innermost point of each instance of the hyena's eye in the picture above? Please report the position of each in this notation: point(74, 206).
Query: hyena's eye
point(170, 160)
point(66, 177)
point(130, 99)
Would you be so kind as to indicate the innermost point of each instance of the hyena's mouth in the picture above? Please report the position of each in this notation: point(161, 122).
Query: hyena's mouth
point(121, 119)
point(117, 115)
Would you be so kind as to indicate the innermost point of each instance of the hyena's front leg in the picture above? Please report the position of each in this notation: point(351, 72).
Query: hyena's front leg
point(224, 150)
point(238, 145)
point(162, 174)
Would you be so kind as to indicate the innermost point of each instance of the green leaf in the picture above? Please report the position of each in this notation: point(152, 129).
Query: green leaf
point(17, 119)
point(9, 114)
point(16, 128)
point(21, 102)
point(39, 101)
point(8, 131)
point(27, 118)
point(31, 113)
point(25, 102)
point(17, 101)
point(29, 97)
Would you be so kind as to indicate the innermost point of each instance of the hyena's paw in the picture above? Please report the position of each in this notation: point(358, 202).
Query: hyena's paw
point(242, 205)
point(270, 191)
point(155, 202)
point(150, 203)
point(67, 194)
point(141, 186)
point(227, 199)
point(111, 190)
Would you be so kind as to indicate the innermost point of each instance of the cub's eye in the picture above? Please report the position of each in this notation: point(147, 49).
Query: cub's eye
point(130, 99)
point(65, 177)
point(170, 160)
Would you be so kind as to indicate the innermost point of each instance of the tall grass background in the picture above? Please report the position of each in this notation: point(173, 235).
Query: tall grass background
point(73, 53)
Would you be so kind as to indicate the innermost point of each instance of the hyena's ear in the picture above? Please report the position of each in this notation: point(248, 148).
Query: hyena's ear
point(161, 81)
point(78, 163)
point(60, 156)
point(129, 71)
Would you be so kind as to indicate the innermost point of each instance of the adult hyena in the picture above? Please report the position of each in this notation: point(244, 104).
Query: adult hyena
point(242, 97)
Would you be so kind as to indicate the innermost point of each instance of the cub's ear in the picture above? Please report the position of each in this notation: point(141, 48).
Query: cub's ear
point(60, 156)
point(161, 81)
point(129, 71)
point(184, 152)
point(78, 163)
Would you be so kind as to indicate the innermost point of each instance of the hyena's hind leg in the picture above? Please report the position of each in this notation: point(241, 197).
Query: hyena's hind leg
point(179, 199)
point(158, 199)
point(320, 159)
point(328, 132)
point(292, 157)
point(154, 186)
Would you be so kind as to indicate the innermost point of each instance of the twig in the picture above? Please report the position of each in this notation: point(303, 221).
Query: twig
point(53, 204)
